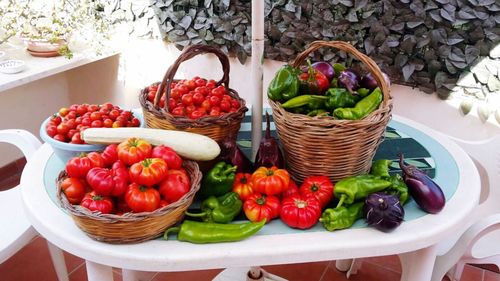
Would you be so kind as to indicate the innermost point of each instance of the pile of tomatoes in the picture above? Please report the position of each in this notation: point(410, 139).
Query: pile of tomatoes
point(270, 193)
point(132, 176)
point(68, 123)
point(196, 98)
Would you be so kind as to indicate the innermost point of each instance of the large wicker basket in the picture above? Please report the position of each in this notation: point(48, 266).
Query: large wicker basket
point(217, 128)
point(326, 146)
point(131, 227)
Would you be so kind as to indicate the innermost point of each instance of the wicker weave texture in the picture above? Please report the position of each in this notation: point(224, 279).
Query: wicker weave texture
point(217, 128)
point(326, 146)
point(131, 227)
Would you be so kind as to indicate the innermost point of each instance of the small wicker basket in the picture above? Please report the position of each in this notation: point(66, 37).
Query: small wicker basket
point(217, 128)
point(131, 227)
point(323, 145)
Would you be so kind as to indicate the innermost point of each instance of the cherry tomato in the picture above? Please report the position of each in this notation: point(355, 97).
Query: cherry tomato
point(225, 106)
point(187, 99)
point(94, 107)
point(63, 111)
point(96, 124)
point(51, 130)
point(235, 103)
point(198, 113)
point(178, 111)
point(60, 137)
point(62, 129)
point(214, 100)
point(198, 98)
point(200, 82)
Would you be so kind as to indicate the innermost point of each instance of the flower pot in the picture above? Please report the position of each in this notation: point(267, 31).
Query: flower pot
point(44, 48)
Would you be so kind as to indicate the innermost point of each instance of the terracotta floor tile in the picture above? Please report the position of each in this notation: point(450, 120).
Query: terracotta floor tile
point(31, 263)
point(368, 272)
point(491, 276)
point(390, 262)
point(198, 275)
point(302, 271)
point(472, 273)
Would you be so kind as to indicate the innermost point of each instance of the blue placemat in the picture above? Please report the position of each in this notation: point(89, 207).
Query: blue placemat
point(419, 150)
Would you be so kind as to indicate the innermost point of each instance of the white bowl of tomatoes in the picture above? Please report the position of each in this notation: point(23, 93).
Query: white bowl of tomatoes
point(62, 130)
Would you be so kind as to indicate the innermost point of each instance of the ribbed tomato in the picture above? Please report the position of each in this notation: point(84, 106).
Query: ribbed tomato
point(148, 172)
point(243, 185)
point(319, 186)
point(300, 211)
point(133, 150)
point(259, 206)
point(141, 198)
point(270, 181)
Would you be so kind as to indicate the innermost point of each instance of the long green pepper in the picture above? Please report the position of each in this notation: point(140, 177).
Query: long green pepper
point(398, 187)
point(207, 232)
point(364, 107)
point(355, 188)
point(341, 217)
point(313, 101)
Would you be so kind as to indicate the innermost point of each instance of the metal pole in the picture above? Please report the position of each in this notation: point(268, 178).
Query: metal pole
point(257, 72)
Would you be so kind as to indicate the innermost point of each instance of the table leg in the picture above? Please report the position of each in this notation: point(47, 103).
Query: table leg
point(418, 265)
point(134, 275)
point(98, 272)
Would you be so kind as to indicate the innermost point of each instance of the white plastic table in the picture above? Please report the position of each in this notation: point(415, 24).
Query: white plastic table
point(416, 237)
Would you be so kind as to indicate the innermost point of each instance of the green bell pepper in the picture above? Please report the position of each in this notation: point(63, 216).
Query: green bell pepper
point(341, 217)
point(285, 84)
point(364, 107)
point(354, 188)
point(340, 97)
point(220, 209)
point(219, 180)
point(208, 232)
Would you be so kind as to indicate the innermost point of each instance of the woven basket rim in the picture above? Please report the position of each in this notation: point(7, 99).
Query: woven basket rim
point(80, 211)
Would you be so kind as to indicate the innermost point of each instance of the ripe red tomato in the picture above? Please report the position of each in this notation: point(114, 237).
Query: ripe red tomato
point(77, 139)
point(59, 137)
point(81, 109)
point(141, 198)
point(270, 181)
point(242, 185)
point(178, 111)
point(96, 124)
point(95, 116)
point(108, 123)
point(95, 159)
point(198, 113)
point(214, 100)
point(95, 202)
point(187, 99)
point(107, 182)
point(258, 207)
point(300, 211)
point(225, 105)
point(74, 189)
point(190, 84)
point(319, 186)
point(173, 160)
point(219, 91)
point(79, 166)
point(183, 89)
point(175, 185)
point(291, 190)
point(235, 103)
point(62, 129)
point(198, 98)
point(149, 171)
point(200, 82)
point(113, 114)
point(51, 130)
point(134, 150)
point(95, 107)
point(110, 154)
point(120, 177)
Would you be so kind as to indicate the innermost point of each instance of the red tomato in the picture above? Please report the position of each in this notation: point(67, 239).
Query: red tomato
point(214, 100)
point(198, 113)
point(74, 189)
point(110, 154)
point(98, 203)
point(63, 111)
point(300, 211)
point(190, 109)
point(134, 150)
point(178, 111)
point(141, 198)
point(175, 185)
point(219, 91)
point(291, 190)
point(96, 159)
point(319, 186)
point(200, 82)
point(81, 109)
point(190, 84)
point(258, 207)
point(62, 129)
point(51, 130)
point(113, 114)
point(235, 103)
point(95, 107)
point(59, 137)
point(56, 119)
point(270, 181)
point(95, 116)
point(77, 139)
point(183, 89)
point(173, 160)
point(149, 171)
point(96, 124)
point(225, 105)
point(187, 99)
point(108, 123)
point(206, 106)
point(198, 98)
point(120, 178)
point(79, 166)
point(108, 182)
point(243, 185)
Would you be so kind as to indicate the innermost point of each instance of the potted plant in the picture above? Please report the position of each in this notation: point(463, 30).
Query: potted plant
point(48, 29)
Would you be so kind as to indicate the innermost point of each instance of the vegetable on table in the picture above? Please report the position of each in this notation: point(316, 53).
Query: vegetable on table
point(354, 188)
point(79, 166)
point(106, 182)
point(368, 81)
point(362, 108)
point(270, 181)
point(383, 211)
point(313, 82)
point(149, 171)
point(243, 185)
point(291, 190)
point(219, 180)
point(222, 209)
point(97, 203)
point(133, 150)
point(319, 186)
point(426, 193)
point(300, 211)
point(340, 97)
point(175, 185)
point(398, 187)
point(259, 207)
point(325, 68)
point(142, 198)
point(208, 232)
point(380, 168)
point(269, 153)
point(341, 217)
point(231, 153)
point(285, 84)
point(74, 189)
point(173, 160)
point(188, 145)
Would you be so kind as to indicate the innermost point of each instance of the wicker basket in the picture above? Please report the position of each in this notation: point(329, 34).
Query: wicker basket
point(131, 227)
point(327, 146)
point(217, 128)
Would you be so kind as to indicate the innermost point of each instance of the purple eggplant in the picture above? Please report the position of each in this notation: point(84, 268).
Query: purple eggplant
point(368, 81)
point(383, 211)
point(269, 153)
point(349, 80)
point(428, 195)
point(231, 153)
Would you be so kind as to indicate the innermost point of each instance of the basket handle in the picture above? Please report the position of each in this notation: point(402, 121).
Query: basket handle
point(188, 53)
point(344, 46)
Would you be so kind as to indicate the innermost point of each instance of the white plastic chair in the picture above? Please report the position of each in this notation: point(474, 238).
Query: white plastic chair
point(16, 230)
point(477, 245)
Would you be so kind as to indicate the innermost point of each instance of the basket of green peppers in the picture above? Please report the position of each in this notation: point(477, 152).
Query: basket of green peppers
point(328, 120)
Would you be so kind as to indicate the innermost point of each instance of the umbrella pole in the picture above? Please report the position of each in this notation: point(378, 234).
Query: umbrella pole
point(257, 72)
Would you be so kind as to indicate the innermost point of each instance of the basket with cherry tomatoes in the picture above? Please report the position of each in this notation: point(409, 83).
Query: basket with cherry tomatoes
point(129, 192)
point(197, 105)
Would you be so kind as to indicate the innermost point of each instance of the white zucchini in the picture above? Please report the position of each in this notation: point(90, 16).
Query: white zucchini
point(188, 145)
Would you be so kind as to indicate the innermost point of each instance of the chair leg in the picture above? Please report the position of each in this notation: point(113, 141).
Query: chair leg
point(343, 265)
point(59, 263)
